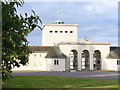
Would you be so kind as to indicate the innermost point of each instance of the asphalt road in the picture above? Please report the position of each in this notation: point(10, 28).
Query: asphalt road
point(81, 74)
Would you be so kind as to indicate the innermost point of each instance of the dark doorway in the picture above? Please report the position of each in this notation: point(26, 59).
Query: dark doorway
point(85, 60)
point(97, 60)
point(73, 60)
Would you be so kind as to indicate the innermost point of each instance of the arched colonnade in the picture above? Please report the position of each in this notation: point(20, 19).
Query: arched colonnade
point(85, 61)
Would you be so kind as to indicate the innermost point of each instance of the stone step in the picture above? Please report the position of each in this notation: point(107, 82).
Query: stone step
point(72, 70)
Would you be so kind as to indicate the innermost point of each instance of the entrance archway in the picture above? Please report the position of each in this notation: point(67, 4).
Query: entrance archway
point(97, 60)
point(85, 60)
point(73, 60)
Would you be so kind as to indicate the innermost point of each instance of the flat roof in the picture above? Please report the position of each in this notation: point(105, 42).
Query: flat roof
point(59, 25)
point(84, 43)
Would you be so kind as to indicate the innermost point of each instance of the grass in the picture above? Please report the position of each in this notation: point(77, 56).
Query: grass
point(58, 82)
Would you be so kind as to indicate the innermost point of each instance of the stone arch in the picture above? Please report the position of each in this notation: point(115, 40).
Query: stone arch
point(85, 61)
point(73, 60)
point(97, 60)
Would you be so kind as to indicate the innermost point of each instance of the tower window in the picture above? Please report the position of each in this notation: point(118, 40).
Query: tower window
point(71, 31)
point(118, 62)
point(56, 62)
point(51, 31)
point(56, 31)
point(61, 31)
point(66, 31)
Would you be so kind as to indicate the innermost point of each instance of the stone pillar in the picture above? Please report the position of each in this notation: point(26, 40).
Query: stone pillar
point(103, 58)
point(79, 60)
point(91, 60)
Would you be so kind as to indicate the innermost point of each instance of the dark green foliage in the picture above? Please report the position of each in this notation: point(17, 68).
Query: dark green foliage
point(15, 28)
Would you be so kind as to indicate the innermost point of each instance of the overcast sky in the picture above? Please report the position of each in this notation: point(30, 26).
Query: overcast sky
point(96, 20)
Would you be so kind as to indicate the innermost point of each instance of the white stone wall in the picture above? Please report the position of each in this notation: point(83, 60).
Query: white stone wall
point(111, 64)
point(50, 39)
point(52, 67)
point(37, 61)
point(104, 49)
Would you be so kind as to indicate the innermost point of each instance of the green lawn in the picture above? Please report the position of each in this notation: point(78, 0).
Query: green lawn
point(58, 82)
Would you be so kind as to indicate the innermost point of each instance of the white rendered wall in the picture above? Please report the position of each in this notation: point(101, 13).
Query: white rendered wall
point(52, 67)
point(104, 49)
point(50, 39)
point(111, 64)
point(37, 61)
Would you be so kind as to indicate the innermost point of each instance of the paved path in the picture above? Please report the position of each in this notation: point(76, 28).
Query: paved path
point(82, 74)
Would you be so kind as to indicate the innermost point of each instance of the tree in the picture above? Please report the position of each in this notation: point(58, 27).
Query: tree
point(15, 28)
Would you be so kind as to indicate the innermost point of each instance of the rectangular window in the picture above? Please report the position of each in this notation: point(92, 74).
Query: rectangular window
point(118, 62)
point(71, 31)
point(56, 62)
point(51, 31)
point(61, 31)
point(56, 31)
point(66, 31)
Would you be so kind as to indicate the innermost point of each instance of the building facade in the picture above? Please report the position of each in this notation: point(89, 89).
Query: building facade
point(61, 51)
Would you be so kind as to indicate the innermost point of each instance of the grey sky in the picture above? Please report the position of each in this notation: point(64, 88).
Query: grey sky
point(96, 20)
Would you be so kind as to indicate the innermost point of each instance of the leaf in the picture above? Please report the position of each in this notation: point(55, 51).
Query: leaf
point(26, 14)
point(15, 28)
point(33, 12)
